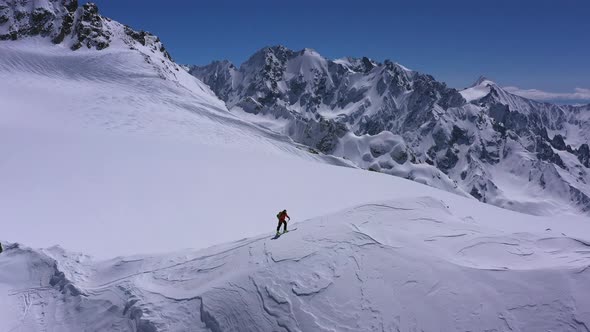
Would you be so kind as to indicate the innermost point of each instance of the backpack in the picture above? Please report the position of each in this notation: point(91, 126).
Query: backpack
point(279, 215)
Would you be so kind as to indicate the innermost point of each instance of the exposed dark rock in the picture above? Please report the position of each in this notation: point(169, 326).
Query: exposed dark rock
point(138, 36)
point(558, 143)
point(544, 152)
point(459, 136)
point(63, 20)
point(489, 152)
point(331, 132)
point(41, 22)
point(582, 200)
point(368, 65)
point(441, 139)
point(400, 156)
point(448, 161)
point(583, 154)
point(499, 127)
point(66, 28)
point(499, 112)
point(89, 29)
point(475, 193)
point(71, 5)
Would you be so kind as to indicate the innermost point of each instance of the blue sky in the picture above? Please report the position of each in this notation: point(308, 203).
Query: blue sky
point(542, 45)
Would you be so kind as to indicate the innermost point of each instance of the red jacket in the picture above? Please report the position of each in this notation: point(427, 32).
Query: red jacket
point(283, 215)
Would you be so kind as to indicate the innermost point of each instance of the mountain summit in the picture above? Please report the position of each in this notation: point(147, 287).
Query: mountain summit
point(64, 22)
point(482, 80)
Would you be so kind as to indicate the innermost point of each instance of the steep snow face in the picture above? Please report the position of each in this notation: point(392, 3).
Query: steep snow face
point(121, 146)
point(413, 264)
point(479, 89)
point(482, 141)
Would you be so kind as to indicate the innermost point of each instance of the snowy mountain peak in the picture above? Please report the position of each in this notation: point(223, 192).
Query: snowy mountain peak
point(310, 51)
point(64, 22)
point(222, 65)
point(362, 65)
point(53, 18)
point(478, 90)
point(483, 81)
point(277, 51)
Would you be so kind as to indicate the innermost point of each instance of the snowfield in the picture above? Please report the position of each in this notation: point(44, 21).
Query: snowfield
point(155, 208)
point(105, 156)
point(413, 264)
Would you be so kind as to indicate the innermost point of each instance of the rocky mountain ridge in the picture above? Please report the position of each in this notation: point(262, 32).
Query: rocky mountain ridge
point(388, 118)
point(65, 22)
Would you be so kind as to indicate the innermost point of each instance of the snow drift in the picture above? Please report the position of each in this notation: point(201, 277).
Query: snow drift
point(416, 264)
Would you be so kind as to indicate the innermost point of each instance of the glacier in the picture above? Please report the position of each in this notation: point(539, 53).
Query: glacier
point(161, 193)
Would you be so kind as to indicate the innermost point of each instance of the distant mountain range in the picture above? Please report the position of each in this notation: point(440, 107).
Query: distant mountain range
point(495, 146)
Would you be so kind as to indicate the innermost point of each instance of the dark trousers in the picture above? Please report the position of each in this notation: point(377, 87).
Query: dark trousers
point(283, 222)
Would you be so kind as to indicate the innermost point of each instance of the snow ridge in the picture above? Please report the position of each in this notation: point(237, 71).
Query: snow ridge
point(361, 269)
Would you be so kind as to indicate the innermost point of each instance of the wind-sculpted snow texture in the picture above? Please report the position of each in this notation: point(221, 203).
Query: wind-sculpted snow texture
point(499, 148)
point(417, 264)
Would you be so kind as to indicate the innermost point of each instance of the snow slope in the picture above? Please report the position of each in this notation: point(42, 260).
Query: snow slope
point(429, 263)
point(120, 152)
point(114, 160)
point(478, 90)
point(96, 141)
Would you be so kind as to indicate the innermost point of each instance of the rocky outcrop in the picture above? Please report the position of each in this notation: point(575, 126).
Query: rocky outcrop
point(64, 22)
point(49, 18)
point(89, 29)
point(558, 142)
point(583, 154)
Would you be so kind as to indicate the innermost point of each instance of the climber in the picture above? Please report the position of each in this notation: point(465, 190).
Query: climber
point(282, 216)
